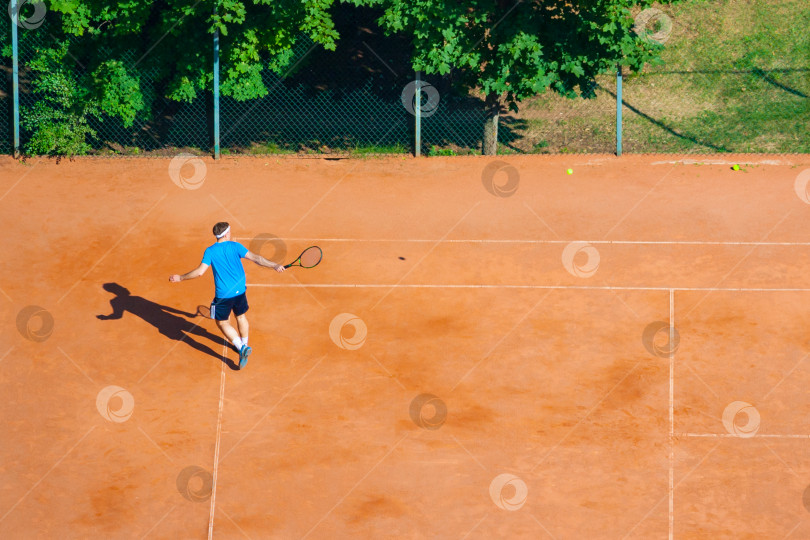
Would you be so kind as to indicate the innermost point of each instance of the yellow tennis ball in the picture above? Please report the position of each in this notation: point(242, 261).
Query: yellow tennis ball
point(570, 171)
point(736, 167)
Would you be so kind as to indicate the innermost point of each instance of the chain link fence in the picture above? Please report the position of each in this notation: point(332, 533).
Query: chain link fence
point(315, 107)
point(551, 123)
point(721, 88)
point(6, 125)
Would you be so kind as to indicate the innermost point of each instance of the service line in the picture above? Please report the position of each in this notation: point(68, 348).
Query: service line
point(539, 241)
point(485, 286)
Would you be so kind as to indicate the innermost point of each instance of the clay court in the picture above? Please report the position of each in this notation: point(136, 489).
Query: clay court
point(490, 348)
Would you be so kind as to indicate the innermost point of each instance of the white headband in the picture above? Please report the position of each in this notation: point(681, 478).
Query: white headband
point(224, 232)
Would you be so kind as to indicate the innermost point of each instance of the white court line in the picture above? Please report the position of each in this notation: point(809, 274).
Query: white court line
point(216, 448)
point(671, 415)
point(539, 241)
point(722, 162)
point(484, 286)
point(730, 436)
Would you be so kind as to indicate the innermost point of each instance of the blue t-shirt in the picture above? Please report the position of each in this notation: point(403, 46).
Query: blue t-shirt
point(229, 275)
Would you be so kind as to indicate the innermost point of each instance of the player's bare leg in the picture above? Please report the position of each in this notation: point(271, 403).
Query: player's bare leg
point(230, 333)
point(240, 344)
point(242, 324)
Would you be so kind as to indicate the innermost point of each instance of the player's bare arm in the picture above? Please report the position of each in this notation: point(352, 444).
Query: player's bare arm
point(197, 272)
point(118, 312)
point(261, 261)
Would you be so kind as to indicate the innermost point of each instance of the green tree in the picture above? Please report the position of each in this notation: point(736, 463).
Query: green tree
point(58, 119)
point(68, 99)
point(176, 38)
point(98, 49)
point(512, 50)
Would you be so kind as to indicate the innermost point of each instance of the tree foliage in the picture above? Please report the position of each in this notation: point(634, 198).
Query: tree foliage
point(59, 118)
point(511, 50)
point(87, 67)
point(519, 49)
point(175, 38)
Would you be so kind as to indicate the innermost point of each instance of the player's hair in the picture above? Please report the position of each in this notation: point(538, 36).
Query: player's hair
point(219, 227)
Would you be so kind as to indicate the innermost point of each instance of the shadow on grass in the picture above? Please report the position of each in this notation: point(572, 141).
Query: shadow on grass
point(667, 128)
point(762, 74)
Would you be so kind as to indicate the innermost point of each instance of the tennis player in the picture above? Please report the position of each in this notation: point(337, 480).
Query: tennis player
point(230, 283)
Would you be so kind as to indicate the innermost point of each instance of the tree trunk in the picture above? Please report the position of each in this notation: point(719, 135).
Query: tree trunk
point(493, 109)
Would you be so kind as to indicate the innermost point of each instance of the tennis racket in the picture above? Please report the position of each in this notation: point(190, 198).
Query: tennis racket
point(309, 258)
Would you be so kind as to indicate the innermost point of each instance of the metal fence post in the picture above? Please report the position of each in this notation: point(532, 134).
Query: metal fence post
point(216, 93)
point(619, 111)
point(15, 78)
point(417, 111)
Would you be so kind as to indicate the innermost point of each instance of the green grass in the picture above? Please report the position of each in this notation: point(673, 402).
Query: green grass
point(268, 148)
point(735, 78)
point(369, 150)
point(316, 148)
point(436, 151)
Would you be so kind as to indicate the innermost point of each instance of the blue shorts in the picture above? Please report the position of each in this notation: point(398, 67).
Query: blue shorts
point(221, 307)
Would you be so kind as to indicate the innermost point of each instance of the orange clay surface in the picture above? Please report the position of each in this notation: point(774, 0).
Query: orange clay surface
point(539, 367)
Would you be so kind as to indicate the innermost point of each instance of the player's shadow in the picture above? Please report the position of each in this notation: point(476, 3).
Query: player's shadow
point(164, 318)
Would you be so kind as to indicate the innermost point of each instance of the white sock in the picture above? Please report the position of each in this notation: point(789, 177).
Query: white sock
point(244, 340)
point(237, 342)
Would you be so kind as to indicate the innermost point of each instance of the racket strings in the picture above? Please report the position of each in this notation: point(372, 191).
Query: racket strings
point(311, 257)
